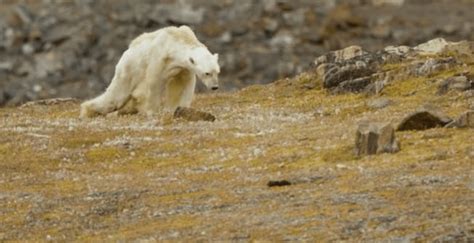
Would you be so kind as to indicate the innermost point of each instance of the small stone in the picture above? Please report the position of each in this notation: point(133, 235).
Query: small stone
point(48, 64)
point(226, 37)
point(295, 18)
point(398, 50)
point(463, 121)
point(181, 13)
point(422, 120)
point(373, 138)
point(433, 65)
point(37, 88)
point(282, 39)
point(460, 83)
point(379, 103)
point(321, 112)
point(27, 49)
point(59, 34)
point(48, 102)
point(270, 25)
point(190, 114)
point(340, 55)
point(6, 66)
point(435, 46)
point(23, 14)
point(278, 183)
point(397, 3)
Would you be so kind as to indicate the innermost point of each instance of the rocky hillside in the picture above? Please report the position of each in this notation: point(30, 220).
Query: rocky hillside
point(57, 48)
point(279, 162)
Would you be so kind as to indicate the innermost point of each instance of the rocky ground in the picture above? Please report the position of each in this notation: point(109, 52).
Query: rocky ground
point(62, 48)
point(278, 163)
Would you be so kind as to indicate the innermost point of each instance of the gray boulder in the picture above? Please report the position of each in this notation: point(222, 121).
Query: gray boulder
point(374, 138)
point(459, 83)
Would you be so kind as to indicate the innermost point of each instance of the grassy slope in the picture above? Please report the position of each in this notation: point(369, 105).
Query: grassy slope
point(133, 177)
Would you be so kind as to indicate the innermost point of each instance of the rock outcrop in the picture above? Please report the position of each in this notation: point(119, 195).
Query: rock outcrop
point(355, 70)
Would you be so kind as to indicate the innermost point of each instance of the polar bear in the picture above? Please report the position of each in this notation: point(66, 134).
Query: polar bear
point(157, 72)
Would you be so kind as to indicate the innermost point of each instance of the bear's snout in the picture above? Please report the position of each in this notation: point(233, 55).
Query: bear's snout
point(215, 87)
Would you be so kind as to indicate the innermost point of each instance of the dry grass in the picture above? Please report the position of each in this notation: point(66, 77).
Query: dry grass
point(131, 177)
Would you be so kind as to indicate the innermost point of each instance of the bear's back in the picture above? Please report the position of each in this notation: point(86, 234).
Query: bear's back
point(141, 38)
point(183, 34)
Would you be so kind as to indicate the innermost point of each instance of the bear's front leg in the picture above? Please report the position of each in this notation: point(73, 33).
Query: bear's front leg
point(114, 97)
point(153, 101)
point(188, 92)
point(180, 90)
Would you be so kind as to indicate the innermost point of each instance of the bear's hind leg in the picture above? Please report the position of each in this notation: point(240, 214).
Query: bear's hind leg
point(114, 98)
point(130, 107)
point(99, 106)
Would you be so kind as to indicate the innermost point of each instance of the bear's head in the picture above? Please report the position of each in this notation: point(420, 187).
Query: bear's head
point(205, 65)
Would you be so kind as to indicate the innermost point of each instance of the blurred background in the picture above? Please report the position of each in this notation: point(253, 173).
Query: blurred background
point(69, 48)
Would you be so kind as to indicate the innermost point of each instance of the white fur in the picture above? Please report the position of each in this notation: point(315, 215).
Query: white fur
point(158, 71)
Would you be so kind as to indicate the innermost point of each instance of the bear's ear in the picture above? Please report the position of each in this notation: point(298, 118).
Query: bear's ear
point(216, 56)
point(191, 60)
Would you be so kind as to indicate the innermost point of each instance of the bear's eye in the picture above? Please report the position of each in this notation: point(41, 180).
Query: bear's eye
point(208, 74)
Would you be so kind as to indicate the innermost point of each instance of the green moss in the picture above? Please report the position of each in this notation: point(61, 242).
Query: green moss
point(342, 153)
point(105, 154)
point(393, 66)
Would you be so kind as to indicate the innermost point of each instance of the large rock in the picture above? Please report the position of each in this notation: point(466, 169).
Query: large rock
point(458, 83)
point(340, 55)
point(441, 46)
point(348, 70)
point(374, 138)
point(433, 66)
point(422, 120)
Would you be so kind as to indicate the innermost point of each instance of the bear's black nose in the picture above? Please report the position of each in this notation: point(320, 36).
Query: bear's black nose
point(215, 88)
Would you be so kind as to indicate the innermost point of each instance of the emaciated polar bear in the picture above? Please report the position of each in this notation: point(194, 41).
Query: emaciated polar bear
point(157, 72)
